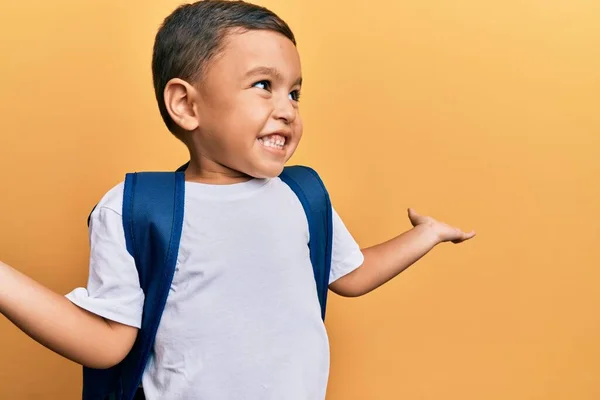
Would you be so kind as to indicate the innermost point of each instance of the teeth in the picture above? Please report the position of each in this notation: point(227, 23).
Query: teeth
point(274, 141)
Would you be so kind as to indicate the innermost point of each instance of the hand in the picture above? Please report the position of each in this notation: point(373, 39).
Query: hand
point(444, 232)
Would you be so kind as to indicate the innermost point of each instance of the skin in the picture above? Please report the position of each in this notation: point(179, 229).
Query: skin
point(247, 93)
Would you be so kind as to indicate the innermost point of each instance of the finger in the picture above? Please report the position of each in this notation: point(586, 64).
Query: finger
point(465, 236)
point(414, 217)
point(413, 214)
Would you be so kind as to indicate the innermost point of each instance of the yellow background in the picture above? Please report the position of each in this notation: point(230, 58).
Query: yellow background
point(484, 114)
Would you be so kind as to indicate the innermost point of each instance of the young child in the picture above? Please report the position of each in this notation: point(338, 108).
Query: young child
point(242, 320)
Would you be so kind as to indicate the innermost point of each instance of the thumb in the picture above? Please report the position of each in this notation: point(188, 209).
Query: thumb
point(414, 217)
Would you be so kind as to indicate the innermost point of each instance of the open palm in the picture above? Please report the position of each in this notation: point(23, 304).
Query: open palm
point(445, 232)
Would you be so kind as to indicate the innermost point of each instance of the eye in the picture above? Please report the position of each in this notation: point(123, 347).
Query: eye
point(295, 95)
point(265, 85)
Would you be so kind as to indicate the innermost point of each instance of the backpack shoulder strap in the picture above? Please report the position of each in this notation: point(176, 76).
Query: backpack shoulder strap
point(308, 186)
point(152, 221)
point(153, 206)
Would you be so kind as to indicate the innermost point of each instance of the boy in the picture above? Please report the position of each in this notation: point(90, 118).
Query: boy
point(242, 319)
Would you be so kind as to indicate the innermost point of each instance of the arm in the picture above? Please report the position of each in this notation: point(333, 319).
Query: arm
point(61, 326)
point(386, 260)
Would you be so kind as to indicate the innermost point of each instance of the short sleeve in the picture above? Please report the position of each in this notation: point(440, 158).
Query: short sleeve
point(346, 254)
point(113, 289)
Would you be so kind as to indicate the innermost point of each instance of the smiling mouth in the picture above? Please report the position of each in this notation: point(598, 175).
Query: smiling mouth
point(275, 141)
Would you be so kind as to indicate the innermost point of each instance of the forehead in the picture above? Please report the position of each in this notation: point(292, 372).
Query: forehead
point(245, 50)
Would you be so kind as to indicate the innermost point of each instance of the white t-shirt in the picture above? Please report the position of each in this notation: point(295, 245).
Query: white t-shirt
point(242, 320)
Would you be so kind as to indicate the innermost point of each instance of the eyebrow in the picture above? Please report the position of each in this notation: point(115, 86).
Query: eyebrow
point(270, 71)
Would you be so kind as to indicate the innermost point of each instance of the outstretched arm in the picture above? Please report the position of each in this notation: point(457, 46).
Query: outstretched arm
point(61, 326)
point(386, 260)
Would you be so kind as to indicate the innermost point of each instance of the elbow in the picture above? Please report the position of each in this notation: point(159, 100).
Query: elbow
point(348, 291)
point(353, 284)
point(348, 287)
point(113, 351)
point(107, 361)
point(99, 365)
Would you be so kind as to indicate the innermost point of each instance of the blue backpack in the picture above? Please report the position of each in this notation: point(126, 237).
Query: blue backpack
point(152, 220)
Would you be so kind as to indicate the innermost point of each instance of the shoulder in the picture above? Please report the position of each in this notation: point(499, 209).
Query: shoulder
point(302, 175)
point(112, 200)
point(299, 169)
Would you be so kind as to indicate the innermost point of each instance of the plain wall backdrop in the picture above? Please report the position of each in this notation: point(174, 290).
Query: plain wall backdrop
point(482, 114)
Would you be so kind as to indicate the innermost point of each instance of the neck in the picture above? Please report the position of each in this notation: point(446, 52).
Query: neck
point(202, 170)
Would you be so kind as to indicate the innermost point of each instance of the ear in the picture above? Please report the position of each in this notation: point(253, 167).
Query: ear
point(180, 103)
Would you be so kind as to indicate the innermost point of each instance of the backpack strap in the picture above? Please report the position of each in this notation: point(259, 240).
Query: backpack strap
point(153, 206)
point(310, 190)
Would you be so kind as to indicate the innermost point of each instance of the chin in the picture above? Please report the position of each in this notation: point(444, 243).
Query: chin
point(267, 171)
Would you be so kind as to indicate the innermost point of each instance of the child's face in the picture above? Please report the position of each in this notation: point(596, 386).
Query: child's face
point(248, 117)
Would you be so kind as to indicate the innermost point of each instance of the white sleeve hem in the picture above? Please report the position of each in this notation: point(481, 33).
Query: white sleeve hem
point(352, 262)
point(113, 315)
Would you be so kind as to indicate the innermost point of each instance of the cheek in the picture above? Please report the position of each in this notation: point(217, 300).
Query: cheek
point(298, 126)
point(250, 115)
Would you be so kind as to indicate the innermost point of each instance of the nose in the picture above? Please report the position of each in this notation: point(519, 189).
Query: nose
point(284, 109)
